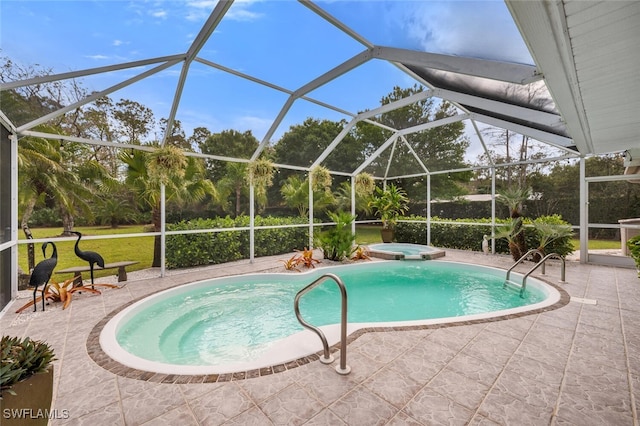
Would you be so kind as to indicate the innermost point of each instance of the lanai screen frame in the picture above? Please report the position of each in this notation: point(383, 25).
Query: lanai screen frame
point(497, 102)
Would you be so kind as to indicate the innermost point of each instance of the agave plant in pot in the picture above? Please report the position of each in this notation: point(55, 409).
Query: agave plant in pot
point(389, 204)
point(26, 381)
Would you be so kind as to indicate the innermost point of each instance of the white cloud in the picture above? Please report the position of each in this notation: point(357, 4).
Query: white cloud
point(242, 15)
point(97, 57)
point(482, 29)
point(203, 4)
point(257, 125)
point(199, 10)
point(162, 14)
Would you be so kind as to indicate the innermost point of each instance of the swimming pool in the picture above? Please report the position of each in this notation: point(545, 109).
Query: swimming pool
point(398, 251)
point(246, 322)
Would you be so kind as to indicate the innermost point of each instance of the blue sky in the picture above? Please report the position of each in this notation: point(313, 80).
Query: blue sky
point(282, 42)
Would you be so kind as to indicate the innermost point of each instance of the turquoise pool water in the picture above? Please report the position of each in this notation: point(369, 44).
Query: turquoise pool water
point(236, 319)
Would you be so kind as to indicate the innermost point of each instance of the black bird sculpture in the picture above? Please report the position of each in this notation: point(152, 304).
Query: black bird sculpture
point(42, 273)
point(90, 256)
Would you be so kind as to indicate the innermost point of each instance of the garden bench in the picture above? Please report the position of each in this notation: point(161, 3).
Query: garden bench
point(78, 270)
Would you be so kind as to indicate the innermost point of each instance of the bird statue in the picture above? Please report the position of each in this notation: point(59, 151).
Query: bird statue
point(42, 273)
point(485, 244)
point(90, 256)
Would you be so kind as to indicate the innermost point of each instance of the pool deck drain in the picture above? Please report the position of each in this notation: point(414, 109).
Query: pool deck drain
point(584, 301)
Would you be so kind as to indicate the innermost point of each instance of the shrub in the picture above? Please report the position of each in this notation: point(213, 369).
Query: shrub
point(633, 244)
point(455, 235)
point(45, 217)
point(337, 242)
point(458, 235)
point(553, 235)
point(21, 359)
point(219, 247)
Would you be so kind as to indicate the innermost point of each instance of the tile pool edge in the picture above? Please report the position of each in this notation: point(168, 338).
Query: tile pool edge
point(99, 356)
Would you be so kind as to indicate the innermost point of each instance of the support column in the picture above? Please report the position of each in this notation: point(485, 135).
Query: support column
point(584, 213)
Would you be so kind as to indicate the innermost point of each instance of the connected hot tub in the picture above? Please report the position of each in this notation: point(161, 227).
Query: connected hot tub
point(402, 251)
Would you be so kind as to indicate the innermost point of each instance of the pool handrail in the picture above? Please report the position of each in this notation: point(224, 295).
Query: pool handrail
point(562, 271)
point(328, 358)
point(523, 258)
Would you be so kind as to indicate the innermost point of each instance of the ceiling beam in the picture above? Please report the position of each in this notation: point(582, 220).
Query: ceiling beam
point(334, 73)
point(203, 36)
point(558, 141)
point(435, 123)
point(91, 71)
point(335, 22)
point(495, 70)
point(96, 95)
point(502, 108)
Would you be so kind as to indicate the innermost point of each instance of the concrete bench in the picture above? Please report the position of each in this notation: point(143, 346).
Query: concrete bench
point(78, 270)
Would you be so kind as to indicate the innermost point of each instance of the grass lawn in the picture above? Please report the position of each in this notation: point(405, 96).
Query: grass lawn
point(598, 244)
point(368, 234)
point(139, 248)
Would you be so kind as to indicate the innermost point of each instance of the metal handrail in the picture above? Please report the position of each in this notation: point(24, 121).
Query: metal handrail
point(520, 261)
point(562, 270)
point(328, 358)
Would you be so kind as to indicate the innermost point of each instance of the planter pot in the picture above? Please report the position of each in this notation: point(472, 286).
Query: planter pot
point(32, 403)
point(387, 235)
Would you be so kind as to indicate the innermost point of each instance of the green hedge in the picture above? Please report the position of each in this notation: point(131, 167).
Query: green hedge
point(458, 235)
point(219, 247)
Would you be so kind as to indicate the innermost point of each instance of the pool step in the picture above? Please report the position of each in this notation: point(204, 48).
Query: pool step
point(514, 285)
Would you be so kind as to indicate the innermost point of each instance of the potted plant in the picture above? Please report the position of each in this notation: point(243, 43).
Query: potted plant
point(389, 203)
point(26, 381)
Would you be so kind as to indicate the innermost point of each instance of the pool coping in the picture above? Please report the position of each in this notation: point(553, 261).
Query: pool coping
point(97, 354)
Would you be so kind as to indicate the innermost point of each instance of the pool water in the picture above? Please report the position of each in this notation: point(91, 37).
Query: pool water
point(238, 318)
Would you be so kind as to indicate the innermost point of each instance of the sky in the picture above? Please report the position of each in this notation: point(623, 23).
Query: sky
point(282, 42)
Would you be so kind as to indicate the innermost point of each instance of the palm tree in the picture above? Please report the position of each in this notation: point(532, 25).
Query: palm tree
point(182, 176)
point(513, 199)
point(44, 175)
point(233, 183)
point(364, 190)
point(550, 232)
point(512, 230)
point(296, 195)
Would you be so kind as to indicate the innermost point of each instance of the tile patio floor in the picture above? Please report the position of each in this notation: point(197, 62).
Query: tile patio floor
point(576, 365)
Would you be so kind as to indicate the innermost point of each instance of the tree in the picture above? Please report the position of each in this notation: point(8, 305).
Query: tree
point(182, 176)
point(199, 136)
point(303, 143)
point(234, 184)
point(513, 198)
point(177, 136)
point(134, 121)
point(228, 143)
point(509, 147)
point(296, 194)
point(365, 186)
point(439, 148)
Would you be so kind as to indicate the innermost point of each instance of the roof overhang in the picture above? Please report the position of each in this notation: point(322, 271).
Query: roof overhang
point(588, 53)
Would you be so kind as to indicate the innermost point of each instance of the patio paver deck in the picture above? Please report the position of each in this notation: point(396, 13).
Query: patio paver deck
point(576, 365)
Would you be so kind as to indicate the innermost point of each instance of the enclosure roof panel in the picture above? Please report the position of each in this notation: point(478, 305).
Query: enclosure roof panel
point(563, 72)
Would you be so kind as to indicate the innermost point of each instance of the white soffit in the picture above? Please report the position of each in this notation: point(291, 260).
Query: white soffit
point(588, 53)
